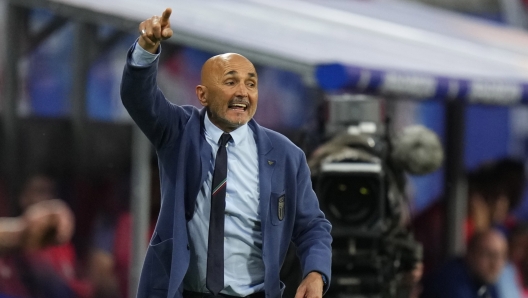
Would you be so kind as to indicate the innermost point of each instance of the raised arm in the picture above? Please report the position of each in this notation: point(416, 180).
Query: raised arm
point(146, 104)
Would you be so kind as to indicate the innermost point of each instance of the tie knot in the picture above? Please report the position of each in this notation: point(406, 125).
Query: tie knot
point(224, 139)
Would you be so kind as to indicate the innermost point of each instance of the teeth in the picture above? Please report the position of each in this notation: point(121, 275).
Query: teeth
point(239, 105)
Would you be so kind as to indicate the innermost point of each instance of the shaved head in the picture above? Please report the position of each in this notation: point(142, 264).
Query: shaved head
point(228, 90)
point(216, 64)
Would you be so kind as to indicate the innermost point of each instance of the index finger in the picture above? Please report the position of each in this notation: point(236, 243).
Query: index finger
point(166, 15)
point(300, 293)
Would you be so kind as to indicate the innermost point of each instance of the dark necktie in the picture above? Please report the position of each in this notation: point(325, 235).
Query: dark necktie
point(215, 246)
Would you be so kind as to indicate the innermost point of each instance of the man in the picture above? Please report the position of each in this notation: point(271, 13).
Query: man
point(475, 275)
point(204, 246)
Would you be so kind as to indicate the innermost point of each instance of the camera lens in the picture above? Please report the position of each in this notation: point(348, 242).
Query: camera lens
point(351, 199)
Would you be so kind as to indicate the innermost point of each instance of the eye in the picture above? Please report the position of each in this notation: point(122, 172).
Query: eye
point(230, 82)
point(251, 84)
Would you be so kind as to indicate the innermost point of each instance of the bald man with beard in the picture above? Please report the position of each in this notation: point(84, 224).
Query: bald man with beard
point(234, 194)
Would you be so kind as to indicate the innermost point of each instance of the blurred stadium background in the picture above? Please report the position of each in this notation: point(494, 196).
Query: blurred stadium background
point(61, 114)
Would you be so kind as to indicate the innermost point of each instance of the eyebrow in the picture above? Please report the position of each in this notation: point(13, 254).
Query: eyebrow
point(234, 72)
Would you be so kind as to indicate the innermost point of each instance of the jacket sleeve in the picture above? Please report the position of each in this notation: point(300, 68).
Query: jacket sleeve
point(159, 119)
point(311, 233)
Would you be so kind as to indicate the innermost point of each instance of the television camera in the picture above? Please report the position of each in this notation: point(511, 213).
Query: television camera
point(359, 177)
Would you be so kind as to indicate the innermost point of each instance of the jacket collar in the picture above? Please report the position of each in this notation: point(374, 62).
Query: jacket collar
point(264, 144)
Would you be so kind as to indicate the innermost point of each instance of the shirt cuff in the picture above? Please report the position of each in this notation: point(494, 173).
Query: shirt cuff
point(141, 57)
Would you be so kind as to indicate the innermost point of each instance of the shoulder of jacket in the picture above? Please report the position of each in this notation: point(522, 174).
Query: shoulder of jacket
point(281, 142)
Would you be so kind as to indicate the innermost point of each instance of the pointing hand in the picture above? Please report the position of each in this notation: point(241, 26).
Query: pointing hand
point(153, 30)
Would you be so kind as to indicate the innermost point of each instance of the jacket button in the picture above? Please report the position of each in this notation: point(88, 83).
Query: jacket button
point(188, 246)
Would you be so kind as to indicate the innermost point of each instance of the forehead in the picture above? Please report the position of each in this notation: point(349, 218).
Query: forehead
point(493, 242)
point(236, 65)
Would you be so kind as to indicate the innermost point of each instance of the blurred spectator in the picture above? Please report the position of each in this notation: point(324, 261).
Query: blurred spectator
point(123, 235)
point(518, 254)
point(475, 275)
point(99, 247)
point(494, 189)
point(113, 241)
point(102, 275)
point(508, 284)
point(42, 224)
point(42, 270)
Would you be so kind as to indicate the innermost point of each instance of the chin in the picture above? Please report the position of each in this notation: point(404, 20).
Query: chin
point(239, 121)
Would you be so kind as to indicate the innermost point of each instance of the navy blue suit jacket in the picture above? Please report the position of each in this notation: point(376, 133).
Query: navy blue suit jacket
point(177, 133)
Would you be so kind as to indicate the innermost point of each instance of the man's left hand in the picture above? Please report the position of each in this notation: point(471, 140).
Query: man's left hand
point(311, 286)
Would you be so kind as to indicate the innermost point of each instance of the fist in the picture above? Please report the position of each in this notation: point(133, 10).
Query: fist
point(47, 223)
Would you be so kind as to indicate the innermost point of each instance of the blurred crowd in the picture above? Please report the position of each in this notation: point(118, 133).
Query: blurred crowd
point(42, 255)
point(38, 256)
point(495, 264)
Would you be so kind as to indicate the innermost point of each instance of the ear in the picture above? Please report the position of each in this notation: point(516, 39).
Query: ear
point(201, 93)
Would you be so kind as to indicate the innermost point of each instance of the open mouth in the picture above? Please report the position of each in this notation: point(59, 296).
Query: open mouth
point(238, 106)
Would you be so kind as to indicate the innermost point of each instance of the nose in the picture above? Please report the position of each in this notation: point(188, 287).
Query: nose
point(242, 91)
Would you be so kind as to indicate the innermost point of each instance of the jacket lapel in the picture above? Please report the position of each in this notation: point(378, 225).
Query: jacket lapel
point(266, 167)
point(205, 148)
point(205, 160)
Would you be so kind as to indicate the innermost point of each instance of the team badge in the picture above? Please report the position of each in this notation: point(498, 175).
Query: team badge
point(280, 210)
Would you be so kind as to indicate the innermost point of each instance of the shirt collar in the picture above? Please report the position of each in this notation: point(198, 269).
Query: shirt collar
point(238, 135)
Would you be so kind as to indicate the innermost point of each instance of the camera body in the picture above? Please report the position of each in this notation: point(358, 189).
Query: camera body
point(361, 192)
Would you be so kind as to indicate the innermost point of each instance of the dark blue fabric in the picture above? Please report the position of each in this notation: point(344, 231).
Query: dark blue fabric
point(454, 280)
